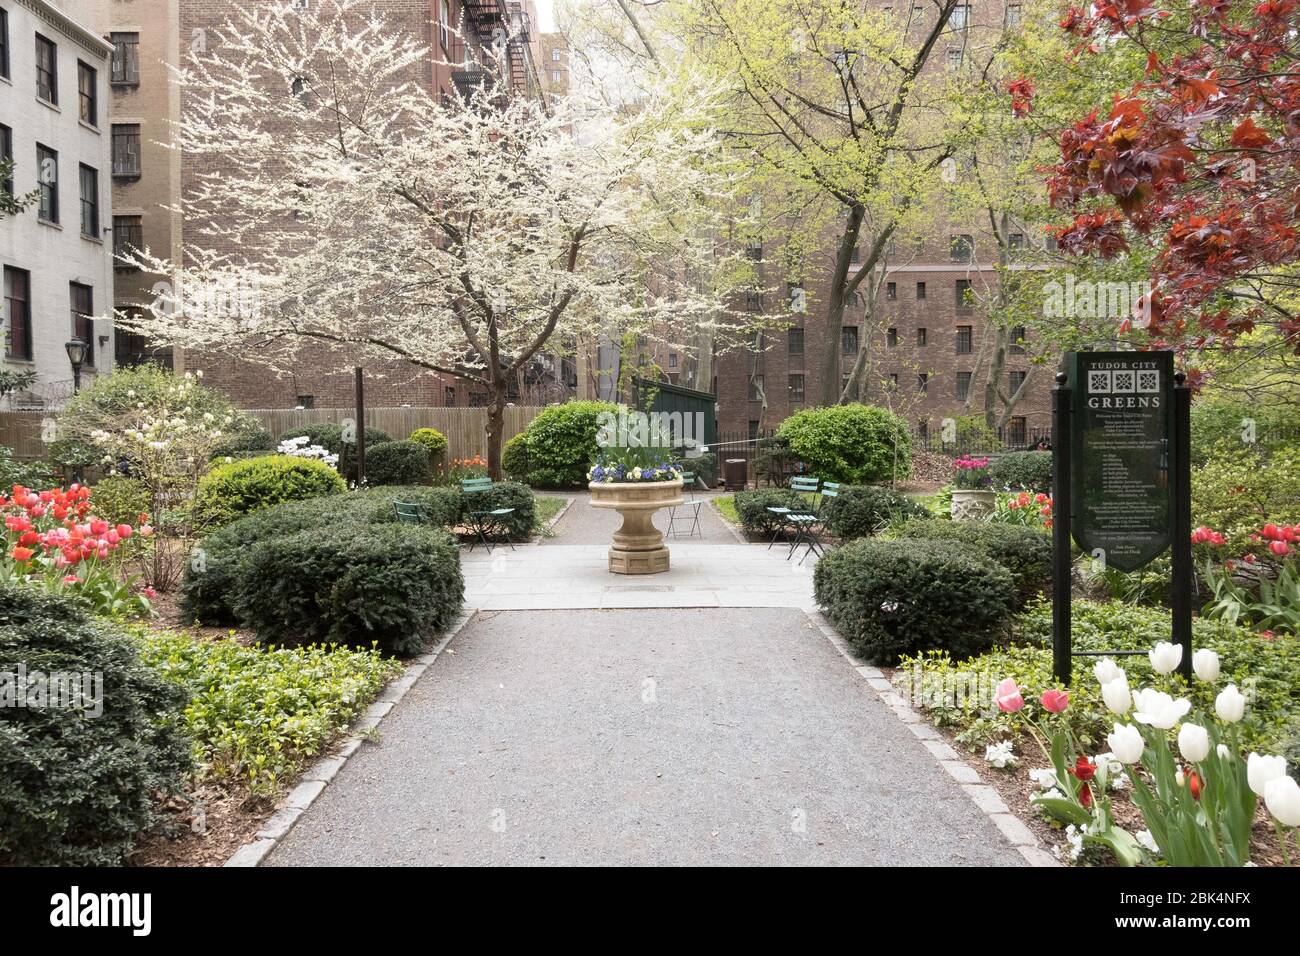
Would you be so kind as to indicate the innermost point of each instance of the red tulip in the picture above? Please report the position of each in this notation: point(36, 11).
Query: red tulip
point(1280, 548)
point(28, 538)
point(124, 531)
point(21, 554)
point(1083, 769)
point(1055, 701)
point(1194, 784)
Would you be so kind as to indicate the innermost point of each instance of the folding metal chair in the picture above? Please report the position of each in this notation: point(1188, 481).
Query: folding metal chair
point(410, 512)
point(690, 509)
point(486, 522)
point(808, 526)
point(802, 484)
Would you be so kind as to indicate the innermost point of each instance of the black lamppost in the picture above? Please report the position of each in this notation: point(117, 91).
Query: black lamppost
point(76, 350)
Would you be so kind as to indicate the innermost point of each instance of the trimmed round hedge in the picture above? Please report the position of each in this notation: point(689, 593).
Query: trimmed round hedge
point(434, 442)
point(514, 457)
point(751, 508)
point(398, 463)
point(855, 444)
point(1022, 471)
point(890, 598)
point(238, 488)
point(389, 584)
point(1025, 552)
point(504, 494)
point(76, 790)
point(859, 511)
point(561, 443)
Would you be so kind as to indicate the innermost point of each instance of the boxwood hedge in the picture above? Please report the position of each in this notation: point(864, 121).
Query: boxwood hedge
point(237, 488)
point(1025, 552)
point(859, 511)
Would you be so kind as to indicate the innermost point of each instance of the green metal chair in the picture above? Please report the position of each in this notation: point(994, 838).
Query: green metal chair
point(809, 525)
point(803, 484)
point(486, 522)
point(690, 509)
point(410, 512)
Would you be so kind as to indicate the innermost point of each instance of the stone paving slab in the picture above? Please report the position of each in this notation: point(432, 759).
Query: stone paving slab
point(705, 736)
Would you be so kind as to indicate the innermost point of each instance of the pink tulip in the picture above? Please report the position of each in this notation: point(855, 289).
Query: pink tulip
point(1055, 701)
point(1007, 696)
point(124, 531)
point(1280, 548)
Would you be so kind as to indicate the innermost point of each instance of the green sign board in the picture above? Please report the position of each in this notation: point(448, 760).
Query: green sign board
point(1121, 454)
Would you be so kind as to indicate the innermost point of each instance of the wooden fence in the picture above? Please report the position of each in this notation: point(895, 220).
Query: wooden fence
point(465, 428)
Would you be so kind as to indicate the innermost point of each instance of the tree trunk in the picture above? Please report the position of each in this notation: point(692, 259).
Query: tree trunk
point(831, 385)
point(496, 425)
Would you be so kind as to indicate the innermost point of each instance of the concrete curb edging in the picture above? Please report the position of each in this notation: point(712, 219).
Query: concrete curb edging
point(984, 796)
point(314, 779)
point(568, 503)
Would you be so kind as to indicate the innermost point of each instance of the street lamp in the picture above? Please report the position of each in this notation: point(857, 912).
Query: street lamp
point(76, 350)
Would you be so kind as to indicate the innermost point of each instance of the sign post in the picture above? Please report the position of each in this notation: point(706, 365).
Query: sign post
point(1121, 479)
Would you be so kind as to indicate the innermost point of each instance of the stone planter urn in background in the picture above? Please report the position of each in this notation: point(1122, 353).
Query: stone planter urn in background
point(638, 546)
point(972, 504)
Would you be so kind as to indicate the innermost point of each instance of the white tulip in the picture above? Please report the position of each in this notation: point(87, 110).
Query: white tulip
point(1230, 705)
point(1261, 770)
point(1205, 663)
point(1158, 709)
point(1116, 695)
point(1225, 753)
point(1282, 797)
point(1165, 657)
point(1126, 743)
point(1106, 670)
point(1193, 742)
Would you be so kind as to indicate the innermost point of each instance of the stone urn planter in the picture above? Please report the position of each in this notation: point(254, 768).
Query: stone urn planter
point(638, 546)
point(972, 504)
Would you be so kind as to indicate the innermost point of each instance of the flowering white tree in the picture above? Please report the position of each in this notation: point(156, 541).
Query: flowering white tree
point(341, 204)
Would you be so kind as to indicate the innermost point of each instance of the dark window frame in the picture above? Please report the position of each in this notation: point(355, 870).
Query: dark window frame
point(121, 132)
point(961, 386)
point(891, 337)
point(891, 291)
point(923, 382)
point(125, 69)
point(128, 230)
point(961, 247)
point(4, 44)
point(43, 153)
point(1015, 379)
point(83, 318)
point(88, 100)
point(7, 152)
point(920, 290)
point(17, 315)
point(89, 206)
point(1017, 338)
point(960, 298)
point(849, 340)
point(922, 337)
point(793, 335)
point(47, 79)
point(757, 387)
point(965, 339)
point(797, 392)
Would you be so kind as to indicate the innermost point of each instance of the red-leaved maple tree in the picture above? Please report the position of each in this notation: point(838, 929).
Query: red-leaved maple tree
point(1201, 158)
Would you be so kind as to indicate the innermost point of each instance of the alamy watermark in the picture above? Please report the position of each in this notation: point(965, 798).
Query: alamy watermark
point(629, 428)
point(59, 690)
point(1098, 300)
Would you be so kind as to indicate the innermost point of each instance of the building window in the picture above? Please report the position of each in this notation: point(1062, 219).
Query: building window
point(556, 76)
point(478, 399)
point(855, 255)
point(1016, 431)
point(753, 429)
point(756, 388)
point(961, 248)
point(126, 58)
point(893, 380)
point(128, 238)
point(18, 307)
point(796, 389)
point(126, 149)
point(954, 59)
point(89, 202)
point(962, 294)
point(921, 337)
point(891, 291)
point(83, 323)
point(449, 395)
point(47, 69)
point(1013, 15)
point(849, 340)
point(797, 298)
point(306, 401)
point(960, 18)
point(444, 26)
point(4, 43)
point(1017, 241)
point(47, 164)
point(1015, 380)
point(794, 340)
point(920, 290)
point(965, 339)
point(923, 382)
point(88, 93)
point(7, 152)
point(963, 386)
point(754, 249)
point(555, 56)
point(891, 336)
point(753, 302)
point(1017, 346)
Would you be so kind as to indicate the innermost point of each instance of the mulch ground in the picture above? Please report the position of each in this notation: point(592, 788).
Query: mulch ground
point(203, 829)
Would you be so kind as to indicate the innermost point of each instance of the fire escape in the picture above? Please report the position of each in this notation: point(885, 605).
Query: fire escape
point(496, 36)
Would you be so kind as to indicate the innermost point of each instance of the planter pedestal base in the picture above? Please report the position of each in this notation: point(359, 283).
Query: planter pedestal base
point(638, 546)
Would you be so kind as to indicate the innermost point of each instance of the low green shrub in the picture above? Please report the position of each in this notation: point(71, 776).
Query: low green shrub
point(890, 598)
point(514, 457)
point(855, 444)
point(1238, 489)
point(441, 504)
point(859, 511)
point(773, 460)
point(1022, 471)
point(434, 442)
point(751, 508)
point(1268, 672)
point(1223, 422)
point(329, 435)
point(76, 789)
point(389, 584)
point(256, 714)
point(237, 488)
point(254, 439)
point(561, 443)
point(398, 463)
point(703, 465)
point(29, 474)
point(1025, 552)
point(504, 494)
point(120, 500)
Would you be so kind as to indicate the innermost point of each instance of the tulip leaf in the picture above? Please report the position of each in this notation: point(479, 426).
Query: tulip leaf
point(1067, 811)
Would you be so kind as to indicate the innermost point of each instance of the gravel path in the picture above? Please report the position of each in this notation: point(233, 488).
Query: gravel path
point(688, 736)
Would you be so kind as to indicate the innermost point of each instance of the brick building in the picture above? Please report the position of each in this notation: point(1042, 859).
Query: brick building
point(149, 37)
